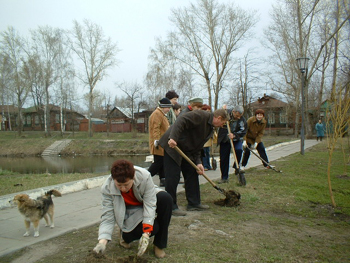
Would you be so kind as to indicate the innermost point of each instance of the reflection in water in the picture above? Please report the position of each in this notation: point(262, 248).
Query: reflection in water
point(56, 164)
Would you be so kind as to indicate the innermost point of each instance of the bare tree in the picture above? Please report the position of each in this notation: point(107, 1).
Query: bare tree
point(294, 34)
point(337, 123)
point(5, 79)
point(245, 79)
point(47, 49)
point(12, 46)
point(134, 96)
point(206, 36)
point(96, 52)
point(165, 73)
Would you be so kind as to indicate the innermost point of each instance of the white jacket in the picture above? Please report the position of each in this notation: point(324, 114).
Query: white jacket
point(114, 210)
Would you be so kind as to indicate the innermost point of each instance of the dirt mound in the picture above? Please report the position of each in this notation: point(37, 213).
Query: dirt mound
point(231, 200)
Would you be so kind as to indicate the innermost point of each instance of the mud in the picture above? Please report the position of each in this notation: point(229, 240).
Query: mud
point(232, 199)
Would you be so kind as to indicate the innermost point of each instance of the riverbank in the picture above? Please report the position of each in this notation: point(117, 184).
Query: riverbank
point(34, 143)
point(112, 144)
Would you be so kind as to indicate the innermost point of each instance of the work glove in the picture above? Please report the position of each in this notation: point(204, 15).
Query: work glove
point(100, 248)
point(143, 244)
point(255, 145)
point(244, 144)
point(156, 143)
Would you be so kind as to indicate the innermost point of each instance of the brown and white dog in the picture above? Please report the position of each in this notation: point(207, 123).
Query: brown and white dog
point(35, 209)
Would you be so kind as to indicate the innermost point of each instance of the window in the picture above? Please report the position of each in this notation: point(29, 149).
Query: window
point(57, 118)
point(28, 120)
point(283, 117)
point(271, 118)
point(36, 120)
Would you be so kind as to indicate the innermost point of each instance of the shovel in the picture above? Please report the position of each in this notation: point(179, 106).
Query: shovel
point(222, 191)
point(241, 176)
point(252, 151)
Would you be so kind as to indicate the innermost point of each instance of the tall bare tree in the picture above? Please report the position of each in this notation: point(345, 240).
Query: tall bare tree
point(205, 38)
point(97, 54)
point(12, 46)
point(5, 80)
point(46, 47)
point(294, 33)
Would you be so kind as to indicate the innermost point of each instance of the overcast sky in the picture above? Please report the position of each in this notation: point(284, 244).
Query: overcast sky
point(133, 24)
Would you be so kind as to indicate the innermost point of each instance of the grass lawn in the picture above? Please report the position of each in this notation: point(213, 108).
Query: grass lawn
point(283, 217)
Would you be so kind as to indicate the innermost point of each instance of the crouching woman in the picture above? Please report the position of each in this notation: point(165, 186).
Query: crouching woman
point(140, 209)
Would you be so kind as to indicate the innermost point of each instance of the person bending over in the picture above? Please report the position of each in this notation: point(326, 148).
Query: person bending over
point(139, 208)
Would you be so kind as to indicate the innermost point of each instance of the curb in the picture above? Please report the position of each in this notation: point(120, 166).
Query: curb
point(64, 188)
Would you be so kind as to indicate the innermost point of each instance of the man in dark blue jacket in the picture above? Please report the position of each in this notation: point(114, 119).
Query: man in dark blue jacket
point(238, 127)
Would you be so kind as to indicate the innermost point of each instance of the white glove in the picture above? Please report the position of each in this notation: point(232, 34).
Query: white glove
point(143, 244)
point(100, 248)
point(255, 145)
point(244, 144)
point(156, 143)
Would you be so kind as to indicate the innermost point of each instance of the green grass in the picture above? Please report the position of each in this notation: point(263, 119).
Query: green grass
point(283, 217)
point(14, 182)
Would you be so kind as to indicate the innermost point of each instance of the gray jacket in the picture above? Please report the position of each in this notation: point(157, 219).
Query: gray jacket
point(114, 210)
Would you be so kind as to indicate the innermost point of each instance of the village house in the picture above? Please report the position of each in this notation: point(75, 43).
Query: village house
point(279, 114)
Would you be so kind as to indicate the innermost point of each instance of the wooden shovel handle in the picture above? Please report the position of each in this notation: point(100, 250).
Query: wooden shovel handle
point(232, 146)
point(193, 165)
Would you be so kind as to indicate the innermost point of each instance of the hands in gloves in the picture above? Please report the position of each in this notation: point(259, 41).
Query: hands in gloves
point(100, 248)
point(156, 143)
point(143, 244)
point(245, 144)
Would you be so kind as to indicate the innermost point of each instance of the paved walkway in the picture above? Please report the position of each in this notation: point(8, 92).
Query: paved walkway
point(80, 209)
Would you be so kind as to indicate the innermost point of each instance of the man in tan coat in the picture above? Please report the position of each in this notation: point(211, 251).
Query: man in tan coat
point(158, 125)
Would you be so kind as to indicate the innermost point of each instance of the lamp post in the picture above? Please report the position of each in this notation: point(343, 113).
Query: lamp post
point(303, 66)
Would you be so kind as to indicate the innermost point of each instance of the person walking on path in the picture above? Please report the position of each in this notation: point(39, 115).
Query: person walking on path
point(140, 209)
point(158, 124)
point(256, 127)
point(238, 127)
point(190, 131)
point(320, 130)
point(173, 97)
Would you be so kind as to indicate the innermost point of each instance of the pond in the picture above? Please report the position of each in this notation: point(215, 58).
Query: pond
point(57, 164)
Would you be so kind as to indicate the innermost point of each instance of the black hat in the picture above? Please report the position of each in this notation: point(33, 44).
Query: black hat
point(165, 103)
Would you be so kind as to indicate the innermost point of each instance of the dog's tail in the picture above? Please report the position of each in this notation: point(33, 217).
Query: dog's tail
point(53, 192)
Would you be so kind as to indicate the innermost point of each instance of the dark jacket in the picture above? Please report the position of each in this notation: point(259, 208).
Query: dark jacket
point(185, 110)
point(238, 128)
point(255, 130)
point(190, 131)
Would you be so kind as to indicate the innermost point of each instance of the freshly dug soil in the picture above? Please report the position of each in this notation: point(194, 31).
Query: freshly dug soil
point(231, 200)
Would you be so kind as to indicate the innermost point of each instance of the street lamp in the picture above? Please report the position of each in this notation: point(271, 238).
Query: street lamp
point(303, 66)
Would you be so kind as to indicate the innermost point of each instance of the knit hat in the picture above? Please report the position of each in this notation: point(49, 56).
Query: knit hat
point(193, 100)
point(165, 103)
